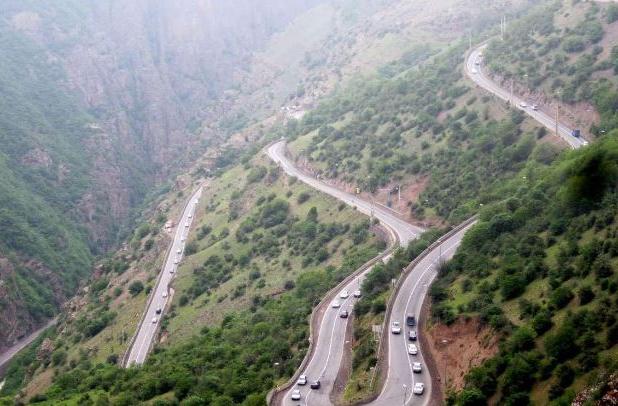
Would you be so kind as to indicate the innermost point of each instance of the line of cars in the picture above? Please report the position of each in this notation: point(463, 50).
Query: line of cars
point(177, 258)
point(302, 381)
point(417, 367)
point(344, 314)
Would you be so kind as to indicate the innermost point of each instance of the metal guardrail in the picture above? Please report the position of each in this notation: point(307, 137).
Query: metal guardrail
point(127, 352)
point(383, 346)
point(317, 311)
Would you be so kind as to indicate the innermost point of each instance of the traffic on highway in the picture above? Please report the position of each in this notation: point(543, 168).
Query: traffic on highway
point(160, 295)
point(474, 70)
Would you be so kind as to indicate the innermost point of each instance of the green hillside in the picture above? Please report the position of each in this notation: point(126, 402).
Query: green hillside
point(43, 174)
point(540, 269)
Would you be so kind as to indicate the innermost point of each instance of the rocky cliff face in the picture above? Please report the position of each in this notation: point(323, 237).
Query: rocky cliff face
point(148, 72)
point(133, 83)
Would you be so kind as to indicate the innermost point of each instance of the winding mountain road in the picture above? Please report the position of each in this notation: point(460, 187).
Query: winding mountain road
point(474, 70)
point(159, 298)
point(330, 335)
point(400, 378)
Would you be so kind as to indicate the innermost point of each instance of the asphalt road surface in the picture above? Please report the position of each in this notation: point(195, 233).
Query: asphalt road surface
point(397, 389)
point(404, 230)
point(7, 355)
point(330, 343)
point(476, 74)
point(148, 327)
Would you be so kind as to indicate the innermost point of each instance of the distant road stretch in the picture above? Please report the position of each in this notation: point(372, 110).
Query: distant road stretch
point(404, 230)
point(7, 355)
point(475, 73)
point(160, 295)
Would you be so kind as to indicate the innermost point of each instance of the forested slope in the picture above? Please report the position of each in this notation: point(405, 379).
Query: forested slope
point(540, 269)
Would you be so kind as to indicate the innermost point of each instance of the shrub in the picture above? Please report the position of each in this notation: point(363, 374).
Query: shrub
point(561, 297)
point(586, 294)
point(303, 197)
point(136, 287)
point(542, 322)
point(573, 44)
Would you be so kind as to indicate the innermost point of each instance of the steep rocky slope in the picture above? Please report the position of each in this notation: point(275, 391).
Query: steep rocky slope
point(102, 101)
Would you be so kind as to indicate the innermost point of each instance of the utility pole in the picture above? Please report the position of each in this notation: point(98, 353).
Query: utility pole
point(470, 40)
point(557, 115)
point(502, 28)
point(511, 98)
point(399, 194)
point(557, 110)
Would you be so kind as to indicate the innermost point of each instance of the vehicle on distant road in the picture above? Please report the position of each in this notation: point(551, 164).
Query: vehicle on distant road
point(154, 320)
point(535, 107)
point(302, 380)
point(315, 384)
point(178, 251)
point(164, 294)
point(417, 368)
point(396, 328)
point(344, 314)
point(576, 133)
point(412, 349)
point(344, 295)
point(412, 335)
point(419, 388)
point(410, 320)
point(158, 311)
point(336, 304)
point(187, 224)
point(295, 395)
point(523, 105)
point(475, 71)
point(357, 293)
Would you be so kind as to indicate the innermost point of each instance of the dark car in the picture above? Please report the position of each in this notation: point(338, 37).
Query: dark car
point(344, 314)
point(412, 335)
point(315, 385)
point(158, 311)
point(410, 320)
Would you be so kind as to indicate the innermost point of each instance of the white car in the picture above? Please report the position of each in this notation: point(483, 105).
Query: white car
point(302, 380)
point(178, 251)
point(523, 105)
point(474, 71)
point(164, 294)
point(172, 270)
point(190, 215)
point(154, 320)
point(535, 107)
point(412, 350)
point(357, 293)
point(344, 295)
point(419, 388)
point(187, 224)
point(417, 368)
point(396, 328)
point(295, 395)
point(336, 304)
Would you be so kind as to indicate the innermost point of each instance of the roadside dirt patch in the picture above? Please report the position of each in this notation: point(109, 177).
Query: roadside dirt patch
point(458, 348)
